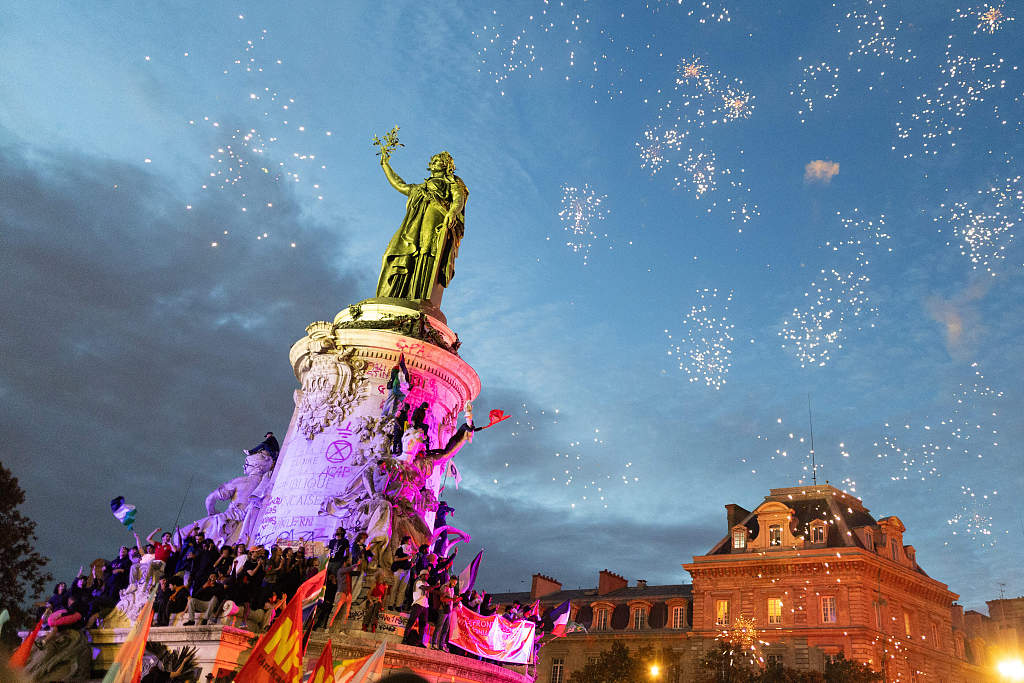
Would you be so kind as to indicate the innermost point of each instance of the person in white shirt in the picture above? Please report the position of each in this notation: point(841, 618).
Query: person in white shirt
point(417, 623)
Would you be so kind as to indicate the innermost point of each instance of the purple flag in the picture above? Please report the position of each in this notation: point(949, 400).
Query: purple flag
point(468, 576)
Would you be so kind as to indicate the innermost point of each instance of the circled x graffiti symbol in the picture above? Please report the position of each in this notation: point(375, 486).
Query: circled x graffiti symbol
point(338, 451)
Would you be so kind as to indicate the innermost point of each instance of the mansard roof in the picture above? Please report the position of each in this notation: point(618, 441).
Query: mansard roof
point(841, 512)
point(581, 596)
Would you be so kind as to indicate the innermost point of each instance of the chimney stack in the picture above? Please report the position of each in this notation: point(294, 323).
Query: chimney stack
point(608, 582)
point(734, 515)
point(543, 585)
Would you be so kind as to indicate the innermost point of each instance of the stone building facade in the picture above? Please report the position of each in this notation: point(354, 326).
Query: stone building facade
point(640, 616)
point(988, 639)
point(819, 575)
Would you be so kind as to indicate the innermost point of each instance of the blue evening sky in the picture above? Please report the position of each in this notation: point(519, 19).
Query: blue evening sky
point(684, 220)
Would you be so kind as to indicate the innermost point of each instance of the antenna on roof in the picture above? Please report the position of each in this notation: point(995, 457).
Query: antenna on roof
point(1002, 591)
point(810, 420)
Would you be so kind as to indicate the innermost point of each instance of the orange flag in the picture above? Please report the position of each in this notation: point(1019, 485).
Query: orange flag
point(323, 672)
point(127, 666)
point(277, 656)
point(362, 670)
point(19, 658)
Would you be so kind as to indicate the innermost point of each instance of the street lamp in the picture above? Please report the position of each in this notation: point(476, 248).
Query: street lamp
point(655, 670)
point(1011, 669)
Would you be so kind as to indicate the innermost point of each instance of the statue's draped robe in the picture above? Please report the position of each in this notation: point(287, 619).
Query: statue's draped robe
point(422, 252)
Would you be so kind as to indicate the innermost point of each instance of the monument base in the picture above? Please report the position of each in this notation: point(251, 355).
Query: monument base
point(222, 648)
point(218, 647)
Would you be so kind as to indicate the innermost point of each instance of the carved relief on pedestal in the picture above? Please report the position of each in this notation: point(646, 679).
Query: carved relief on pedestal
point(331, 377)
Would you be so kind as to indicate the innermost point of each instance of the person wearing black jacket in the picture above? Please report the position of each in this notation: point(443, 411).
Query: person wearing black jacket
point(269, 446)
point(419, 563)
point(402, 568)
point(207, 598)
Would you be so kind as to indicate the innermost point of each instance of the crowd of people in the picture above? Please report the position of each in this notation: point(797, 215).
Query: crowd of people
point(191, 574)
point(199, 578)
point(195, 576)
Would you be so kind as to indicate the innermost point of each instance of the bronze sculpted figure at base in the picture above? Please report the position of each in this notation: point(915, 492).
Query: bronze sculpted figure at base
point(420, 259)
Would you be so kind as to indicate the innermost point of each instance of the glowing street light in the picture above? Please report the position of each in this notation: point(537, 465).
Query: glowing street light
point(655, 670)
point(1011, 669)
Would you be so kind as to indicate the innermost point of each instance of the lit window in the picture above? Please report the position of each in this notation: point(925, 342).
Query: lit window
point(775, 534)
point(774, 610)
point(557, 670)
point(739, 539)
point(906, 623)
point(679, 617)
point(601, 620)
point(818, 533)
point(828, 609)
point(639, 618)
point(722, 613)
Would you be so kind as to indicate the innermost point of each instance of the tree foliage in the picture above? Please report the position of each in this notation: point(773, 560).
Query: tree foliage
point(721, 665)
point(22, 575)
point(844, 670)
point(615, 665)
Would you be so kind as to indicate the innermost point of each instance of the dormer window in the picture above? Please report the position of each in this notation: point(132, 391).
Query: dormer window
point(895, 548)
point(775, 535)
point(817, 532)
point(739, 538)
point(870, 539)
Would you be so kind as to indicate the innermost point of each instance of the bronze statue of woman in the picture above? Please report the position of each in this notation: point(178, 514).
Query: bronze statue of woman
point(420, 259)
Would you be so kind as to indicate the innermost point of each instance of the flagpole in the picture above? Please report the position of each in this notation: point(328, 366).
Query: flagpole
point(182, 506)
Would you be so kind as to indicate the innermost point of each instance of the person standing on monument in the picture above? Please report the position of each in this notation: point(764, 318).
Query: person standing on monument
point(449, 597)
point(420, 259)
point(399, 429)
point(402, 568)
point(269, 445)
point(416, 626)
point(419, 421)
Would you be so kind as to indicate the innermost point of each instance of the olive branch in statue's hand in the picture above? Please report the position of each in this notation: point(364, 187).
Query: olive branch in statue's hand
point(388, 145)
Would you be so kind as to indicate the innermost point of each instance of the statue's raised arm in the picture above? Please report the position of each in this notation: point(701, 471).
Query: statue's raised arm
point(393, 178)
point(420, 259)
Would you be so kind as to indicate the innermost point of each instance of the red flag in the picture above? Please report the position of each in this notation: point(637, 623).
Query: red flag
point(533, 611)
point(311, 587)
point(323, 671)
point(310, 593)
point(19, 658)
point(277, 657)
point(497, 415)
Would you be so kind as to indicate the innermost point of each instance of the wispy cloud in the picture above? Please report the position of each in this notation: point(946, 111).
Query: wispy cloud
point(959, 317)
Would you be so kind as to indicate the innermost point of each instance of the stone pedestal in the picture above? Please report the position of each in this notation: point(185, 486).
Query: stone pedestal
point(433, 665)
point(218, 648)
point(337, 429)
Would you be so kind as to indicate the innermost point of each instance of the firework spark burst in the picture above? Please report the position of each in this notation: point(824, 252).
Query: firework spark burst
point(838, 299)
point(581, 208)
point(705, 347)
point(701, 98)
point(248, 159)
point(983, 225)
